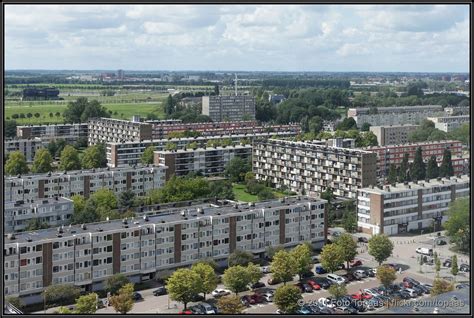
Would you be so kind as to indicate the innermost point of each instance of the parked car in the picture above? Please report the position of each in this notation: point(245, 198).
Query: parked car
point(371, 272)
point(336, 279)
point(345, 310)
point(197, 310)
point(361, 296)
point(304, 288)
point(245, 300)
point(424, 251)
point(257, 298)
point(220, 292)
point(363, 240)
point(137, 296)
point(320, 270)
point(160, 291)
point(447, 263)
point(355, 263)
point(321, 281)
point(359, 274)
point(265, 269)
point(197, 298)
point(411, 280)
point(313, 284)
point(268, 297)
point(273, 281)
point(326, 311)
point(185, 312)
point(411, 292)
point(257, 285)
point(371, 291)
point(368, 305)
point(315, 259)
point(307, 274)
point(465, 268)
point(326, 302)
point(401, 294)
point(462, 286)
point(304, 310)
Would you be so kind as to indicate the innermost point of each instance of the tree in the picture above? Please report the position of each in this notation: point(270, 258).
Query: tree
point(236, 278)
point(10, 128)
point(15, 301)
point(63, 311)
point(286, 298)
point(457, 228)
point(392, 174)
point(207, 277)
point(432, 168)
point(347, 123)
point(237, 168)
point(87, 304)
point(193, 145)
point(69, 159)
point(85, 211)
point(29, 115)
point(16, 164)
point(331, 257)
point(272, 250)
point(37, 115)
point(446, 168)
point(302, 256)
point(239, 257)
point(61, 294)
point(169, 106)
point(403, 175)
point(123, 302)
point(418, 170)
point(365, 127)
point(36, 224)
point(349, 221)
point(183, 285)
point(126, 199)
point(380, 247)
point(42, 162)
point(348, 247)
point(148, 155)
point(216, 89)
point(283, 266)
point(327, 195)
point(441, 286)
point(386, 275)
point(437, 262)
point(254, 272)
point(94, 157)
point(81, 110)
point(230, 305)
point(454, 266)
point(265, 194)
point(170, 146)
point(337, 291)
point(115, 282)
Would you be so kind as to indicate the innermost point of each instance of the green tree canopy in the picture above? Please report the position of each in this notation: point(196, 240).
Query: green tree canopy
point(230, 305)
point(283, 266)
point(148, 156)
point(42, 162)
point(380, 247)
point(237, 168)
point(236, 278)
point(286, 298)
point(16, 164)
point(87, 304)
point(432, 170)
point(81, 110)
point(123, 302)
point(446, 169)
point(94, 157)
point(69, 159)
point(457, 228)
point(441, 286)
point(348, 247)
point(392, 174)
point(331, 257)
point(418, 169)
point(207, 277)
point(183, 285)
point(115, 282)
point(10, 128)
point(386, 275)
point(337, 291)
point(239, 257)
point(302, 256)
point(61, 294)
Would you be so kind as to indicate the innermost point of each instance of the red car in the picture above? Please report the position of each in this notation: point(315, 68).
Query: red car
point(185, 312)
point(257, 299)
point(356, 262)
point(361, 296)
point(313, 284)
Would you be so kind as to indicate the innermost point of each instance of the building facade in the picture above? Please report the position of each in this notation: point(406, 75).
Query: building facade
point(103, 130)
point(87, 255)
point(411, 206)
point(457, 111)
point(229, 107)
point(313, 168)
point(393, 135)
point(385, 116)
point(450, 123)
point(393, 154)
point(209, 161)
point(68, 132)
point(28, 147)
point(139, 179)
point(53, 212)
point(131, 152)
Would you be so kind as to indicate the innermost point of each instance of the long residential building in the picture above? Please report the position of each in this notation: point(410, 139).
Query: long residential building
point(393, 154)
point(52, 212)
point(457, 111)
point(208, 161)
point(119, 153)
point(312, 168)
point(229, 107)
point(103, 130)
point(28, 147)
point(138, 179)
point(400, 208)
point(393, 134)
point(384, 116)
point(142, 249)
point(450, 123)
point(68, 132)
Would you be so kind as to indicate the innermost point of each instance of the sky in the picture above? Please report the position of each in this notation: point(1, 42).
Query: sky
point(334, 38)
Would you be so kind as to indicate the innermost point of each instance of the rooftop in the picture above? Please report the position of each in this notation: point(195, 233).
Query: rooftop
point(178, 151)
point(53, 125)
point(43, 201)
point(422, 143)
point(164, 217)
point(315, 145)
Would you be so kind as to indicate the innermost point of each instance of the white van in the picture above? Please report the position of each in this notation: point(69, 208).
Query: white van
point(424, 251)
point(336, 279)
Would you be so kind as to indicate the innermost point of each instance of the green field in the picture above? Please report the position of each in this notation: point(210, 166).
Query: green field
point(241, 195)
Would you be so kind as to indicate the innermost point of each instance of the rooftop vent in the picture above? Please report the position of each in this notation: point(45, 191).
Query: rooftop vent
point(60, 230)
point(251, 204)
point(99, 229)
point(11, 236)
point(136, 222)
point(84, 227)
point(29, 239)
point(163, 221)
point(124, 221)
point(200, 210)
point(145, 218)
point(59, 235)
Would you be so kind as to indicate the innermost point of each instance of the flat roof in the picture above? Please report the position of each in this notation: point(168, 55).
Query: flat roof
point(164, 217)
point(410, 144)
point(177, 151)
point(41, 201)
point(316, 145)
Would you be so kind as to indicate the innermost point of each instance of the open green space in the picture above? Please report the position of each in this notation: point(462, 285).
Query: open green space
point(242, 195)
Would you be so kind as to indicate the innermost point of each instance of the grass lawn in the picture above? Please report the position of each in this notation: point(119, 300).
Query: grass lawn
point(242, 195)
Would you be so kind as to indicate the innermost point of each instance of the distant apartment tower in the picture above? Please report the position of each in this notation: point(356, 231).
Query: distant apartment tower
point(450, 123)
point(49, 93)
point(208, 161)
point(385, 116)
point(411, 206)
point(103, 130)
point(120, 74)
point(312, 168)
point(393, 135)
point(393, 154)
point(229, 108)
point(276, 98)
point(52, 212)
point(138, 179)
point(28, 147)
point(69, 132)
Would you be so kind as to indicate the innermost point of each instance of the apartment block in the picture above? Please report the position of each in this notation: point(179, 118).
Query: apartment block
point(393, 134)
point(457, 111)
point(87, 255)
point(68, 132)
point(450, 123)
point(139, 179)
point(28, 147)
point(229, 108)
point(103, 130)
point(131, 152)
point(53, 212)
point(305, 167)
point(393, 154)
point(400, 208)
point(209, 161)
point(385, 116)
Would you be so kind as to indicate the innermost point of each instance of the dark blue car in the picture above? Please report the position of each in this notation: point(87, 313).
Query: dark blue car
point(320, 270)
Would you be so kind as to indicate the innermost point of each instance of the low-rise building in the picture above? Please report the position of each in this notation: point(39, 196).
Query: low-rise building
point(208, 161)
point(450, 123)
point(313, 168)
point(229, 107)
point(28, 147)
point(69, 132)
point(86, 255)
point(393, 134)
point(395, 209)
point(52, 212)
point(138, 179)
point(457, 111)
point(103, 130)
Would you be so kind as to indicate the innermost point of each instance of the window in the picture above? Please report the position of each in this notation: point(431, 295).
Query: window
point(55, 269)
point(23, 262)
point(39, 248)
point(39, 260)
